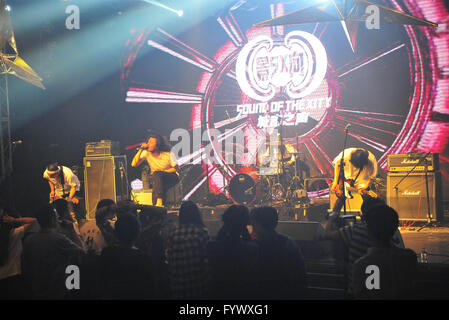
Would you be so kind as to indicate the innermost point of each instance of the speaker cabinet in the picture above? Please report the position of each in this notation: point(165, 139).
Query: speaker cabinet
point(409, 196)
point(104, 178)
point(297, 230)
point(300, 230)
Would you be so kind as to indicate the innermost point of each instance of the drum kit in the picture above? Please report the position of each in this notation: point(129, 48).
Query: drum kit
point(282, 183)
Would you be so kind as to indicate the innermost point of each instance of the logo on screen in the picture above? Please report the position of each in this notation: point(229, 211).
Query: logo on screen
point(298, 64)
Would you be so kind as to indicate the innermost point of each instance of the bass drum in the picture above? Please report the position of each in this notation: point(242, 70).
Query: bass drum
point(243, 189)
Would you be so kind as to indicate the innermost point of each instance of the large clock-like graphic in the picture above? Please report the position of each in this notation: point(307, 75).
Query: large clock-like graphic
point(393, 90)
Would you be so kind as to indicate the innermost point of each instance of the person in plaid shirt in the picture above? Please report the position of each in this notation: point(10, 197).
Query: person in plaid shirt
point(186, 252)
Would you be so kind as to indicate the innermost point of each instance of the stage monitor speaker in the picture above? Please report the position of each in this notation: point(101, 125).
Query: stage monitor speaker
point(301, 231)
point(104, 178)
point(297, 230)
point(409, 198)
point(143, 197)
point(352, 205)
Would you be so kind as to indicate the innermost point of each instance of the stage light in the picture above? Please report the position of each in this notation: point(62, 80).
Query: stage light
point(156, 3)
point(8, 8)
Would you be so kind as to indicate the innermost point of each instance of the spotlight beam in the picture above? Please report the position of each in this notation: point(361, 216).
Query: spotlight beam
point(158, 4)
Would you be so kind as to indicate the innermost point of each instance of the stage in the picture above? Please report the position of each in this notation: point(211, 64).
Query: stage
point(308, 225)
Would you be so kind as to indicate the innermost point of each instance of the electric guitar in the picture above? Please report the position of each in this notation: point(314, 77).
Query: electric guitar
point(74, 200)
point(349, 186)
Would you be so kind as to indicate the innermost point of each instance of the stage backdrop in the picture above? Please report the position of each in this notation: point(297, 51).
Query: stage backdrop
point(304, 80)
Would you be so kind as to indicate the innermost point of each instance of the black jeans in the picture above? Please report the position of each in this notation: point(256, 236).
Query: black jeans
point(162, 181)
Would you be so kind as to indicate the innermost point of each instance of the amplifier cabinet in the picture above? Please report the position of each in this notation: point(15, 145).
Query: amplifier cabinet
point(102, 148)
point(104, 178)
point(409, 197)
point(407, 162)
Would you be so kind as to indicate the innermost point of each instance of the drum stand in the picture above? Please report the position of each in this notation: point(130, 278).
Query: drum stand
point(296, 191)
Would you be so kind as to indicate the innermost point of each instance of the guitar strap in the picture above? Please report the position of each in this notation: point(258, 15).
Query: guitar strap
point(353, 181)
point(62, 182)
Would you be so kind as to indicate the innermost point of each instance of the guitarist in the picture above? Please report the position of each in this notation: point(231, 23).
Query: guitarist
point(63, 184)
point(360, 168)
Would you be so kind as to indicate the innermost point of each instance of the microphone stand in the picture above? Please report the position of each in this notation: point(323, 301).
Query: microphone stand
point(341, 173)
point(411, 170)
point(283, 150)
point(206, 199)
point(430, 223)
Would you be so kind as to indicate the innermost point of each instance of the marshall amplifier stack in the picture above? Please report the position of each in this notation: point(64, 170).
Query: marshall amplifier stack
point(105, 174)
point(414, 185)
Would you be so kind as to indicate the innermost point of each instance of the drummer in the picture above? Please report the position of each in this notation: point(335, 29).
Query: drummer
point(288, 156)
point(285, 154)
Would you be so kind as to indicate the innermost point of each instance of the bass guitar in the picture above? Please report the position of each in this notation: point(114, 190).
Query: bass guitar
point(74, 200)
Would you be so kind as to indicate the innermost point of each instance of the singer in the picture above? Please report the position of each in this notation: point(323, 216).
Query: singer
point(360, 168)
point(163, 166)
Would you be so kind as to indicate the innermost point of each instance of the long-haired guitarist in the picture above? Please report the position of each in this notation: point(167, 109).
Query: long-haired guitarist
point(360, 168)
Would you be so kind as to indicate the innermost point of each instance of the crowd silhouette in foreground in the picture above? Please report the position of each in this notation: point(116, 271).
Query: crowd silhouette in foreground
point(135, 252)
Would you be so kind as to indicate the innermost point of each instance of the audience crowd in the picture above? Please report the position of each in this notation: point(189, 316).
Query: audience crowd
point(141, 252)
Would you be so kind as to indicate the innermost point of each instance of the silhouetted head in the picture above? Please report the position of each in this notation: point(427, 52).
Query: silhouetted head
point(265, 218)
point(105, 203)
point(382, 223)
point(127, 229)
point(46, 216)
point(61, 206)
point(235, 220)
point(126, 206)
point(371, 203)
point(106, 210)
point(190, 214)
point(359, 158)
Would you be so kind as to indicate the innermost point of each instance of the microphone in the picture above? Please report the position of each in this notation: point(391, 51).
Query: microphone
point(17, 142)
point(140, 147)
point(347, 127)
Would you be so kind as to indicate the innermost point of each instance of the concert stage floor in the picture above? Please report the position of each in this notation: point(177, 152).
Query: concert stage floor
point(434, 239)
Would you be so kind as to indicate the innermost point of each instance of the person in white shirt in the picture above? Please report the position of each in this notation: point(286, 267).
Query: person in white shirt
point(164, 169)
point(63, 185)
point(360, 168)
